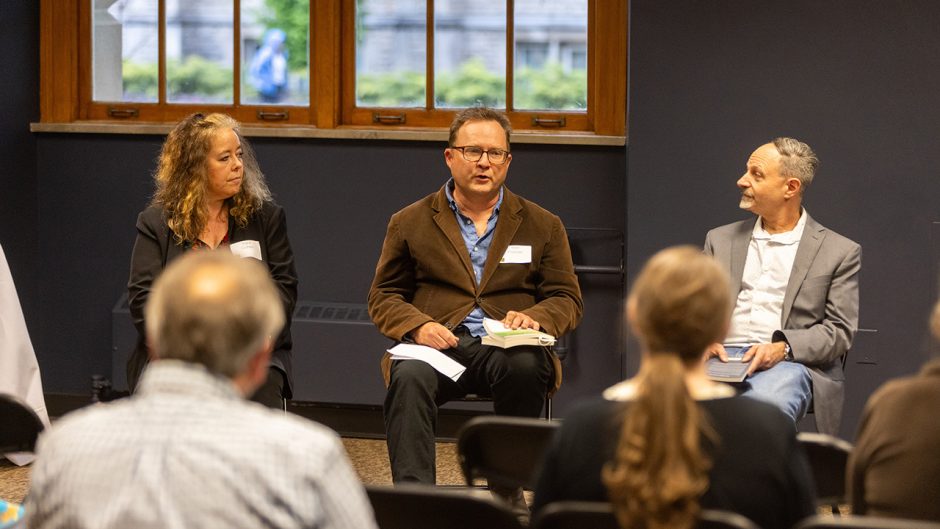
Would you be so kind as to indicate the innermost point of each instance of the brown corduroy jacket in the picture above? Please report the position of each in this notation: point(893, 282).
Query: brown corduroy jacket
point(424, 273)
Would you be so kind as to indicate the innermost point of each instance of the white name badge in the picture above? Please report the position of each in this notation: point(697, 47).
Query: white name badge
point(517, 253)
point(246, 249)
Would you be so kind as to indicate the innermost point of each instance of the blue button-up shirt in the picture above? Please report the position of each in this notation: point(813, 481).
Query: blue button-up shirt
point(478, 246)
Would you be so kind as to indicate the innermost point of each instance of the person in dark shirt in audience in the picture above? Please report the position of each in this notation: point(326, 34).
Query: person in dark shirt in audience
point(669, 442)
point(894, 469)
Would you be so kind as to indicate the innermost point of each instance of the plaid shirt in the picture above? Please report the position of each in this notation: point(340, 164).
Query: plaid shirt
point(188, 451)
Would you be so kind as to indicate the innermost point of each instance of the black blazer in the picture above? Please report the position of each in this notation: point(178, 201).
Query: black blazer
point(156, 246)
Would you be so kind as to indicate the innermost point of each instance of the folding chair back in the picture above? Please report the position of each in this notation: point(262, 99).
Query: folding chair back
point(828, 457)
point(506, 451)
point(576, 515)
point(19, 425)
point(600, 515)
point(427, 507)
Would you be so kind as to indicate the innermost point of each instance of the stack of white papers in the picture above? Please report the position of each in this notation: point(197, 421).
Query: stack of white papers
point(436, 359)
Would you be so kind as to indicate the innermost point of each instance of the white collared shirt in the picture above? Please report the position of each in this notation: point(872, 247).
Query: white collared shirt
point(758, 311)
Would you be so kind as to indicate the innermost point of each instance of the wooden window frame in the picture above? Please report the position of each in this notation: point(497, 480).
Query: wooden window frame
point(66, 77)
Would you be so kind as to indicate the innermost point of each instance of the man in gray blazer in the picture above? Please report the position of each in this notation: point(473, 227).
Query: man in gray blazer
point(796, 288)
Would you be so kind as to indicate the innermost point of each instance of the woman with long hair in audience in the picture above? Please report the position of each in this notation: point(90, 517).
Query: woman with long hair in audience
point(669, 442)
point(211, 194)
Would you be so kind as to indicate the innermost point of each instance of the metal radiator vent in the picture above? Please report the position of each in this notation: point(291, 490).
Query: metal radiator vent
point(331, 312)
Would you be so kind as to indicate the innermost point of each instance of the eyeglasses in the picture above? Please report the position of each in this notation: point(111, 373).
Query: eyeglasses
point(473, 154)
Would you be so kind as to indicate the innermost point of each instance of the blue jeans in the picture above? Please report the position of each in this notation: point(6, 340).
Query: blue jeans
point(786, 385)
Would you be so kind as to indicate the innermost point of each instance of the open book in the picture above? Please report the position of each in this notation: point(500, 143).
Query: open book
point(734, 370)
point(501, 336)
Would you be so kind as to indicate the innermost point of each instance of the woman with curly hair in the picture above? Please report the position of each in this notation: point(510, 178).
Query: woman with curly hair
point(212, 195)
point(669, 442)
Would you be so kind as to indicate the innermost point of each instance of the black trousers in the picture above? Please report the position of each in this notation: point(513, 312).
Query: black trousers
point(271, 393)
point(516, 378)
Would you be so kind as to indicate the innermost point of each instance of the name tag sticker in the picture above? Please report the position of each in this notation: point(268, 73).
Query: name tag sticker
point(246, 249)
point(517, 253)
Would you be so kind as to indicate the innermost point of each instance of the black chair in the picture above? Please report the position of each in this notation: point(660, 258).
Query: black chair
point(812, 410)
point(21, 425)
point(864, 522)
point(576, 515)
point(828, 458)
point(506, 451)
point(600, 515)
point(427, 507)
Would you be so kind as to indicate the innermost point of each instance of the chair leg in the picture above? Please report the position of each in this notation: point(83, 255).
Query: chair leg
point(548, 408)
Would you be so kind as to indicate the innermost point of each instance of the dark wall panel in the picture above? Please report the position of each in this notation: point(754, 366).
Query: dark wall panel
point(91, 188)
point(858, 80)
point(338, 196)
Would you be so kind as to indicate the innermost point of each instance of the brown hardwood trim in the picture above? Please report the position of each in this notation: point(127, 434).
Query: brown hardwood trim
point(437, 134)
point(58, 60)
point(327, 55)
point(610, 57)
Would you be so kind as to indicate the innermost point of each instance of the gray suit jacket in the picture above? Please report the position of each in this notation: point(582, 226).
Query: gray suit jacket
point(820, 306)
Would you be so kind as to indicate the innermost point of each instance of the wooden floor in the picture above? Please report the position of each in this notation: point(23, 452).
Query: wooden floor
point(368, 456)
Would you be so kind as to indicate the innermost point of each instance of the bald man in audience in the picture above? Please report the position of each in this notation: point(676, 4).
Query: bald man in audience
point(188, 450)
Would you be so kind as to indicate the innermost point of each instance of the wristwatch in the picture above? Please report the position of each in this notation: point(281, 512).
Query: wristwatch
point(787, 352)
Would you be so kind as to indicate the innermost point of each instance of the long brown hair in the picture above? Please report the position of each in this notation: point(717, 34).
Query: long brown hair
point(679, 304)
point(182, 178)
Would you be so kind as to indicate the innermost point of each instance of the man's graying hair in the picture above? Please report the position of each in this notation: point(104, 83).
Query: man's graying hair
point(478, 114)
point(214, 309)
point(797, 160)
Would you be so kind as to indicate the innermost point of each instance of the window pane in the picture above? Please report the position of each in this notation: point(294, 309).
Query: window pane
point(550, 64)
point(124, 52)
point(275, 52)
point(469, 53)
point(391, 53)
point(199, 51)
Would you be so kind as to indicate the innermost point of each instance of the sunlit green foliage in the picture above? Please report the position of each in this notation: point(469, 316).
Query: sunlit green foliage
point(547, 88)
point(194, 76)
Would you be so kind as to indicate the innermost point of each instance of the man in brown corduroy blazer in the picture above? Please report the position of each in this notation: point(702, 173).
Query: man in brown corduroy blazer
point(470, 250)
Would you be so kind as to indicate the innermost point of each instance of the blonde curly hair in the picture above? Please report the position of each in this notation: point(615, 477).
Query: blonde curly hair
point(182, 179)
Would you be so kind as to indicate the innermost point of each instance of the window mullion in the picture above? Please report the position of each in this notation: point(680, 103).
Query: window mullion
point(161, 53)
point(236, 54)
point(429, 57)
point(510, 55)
